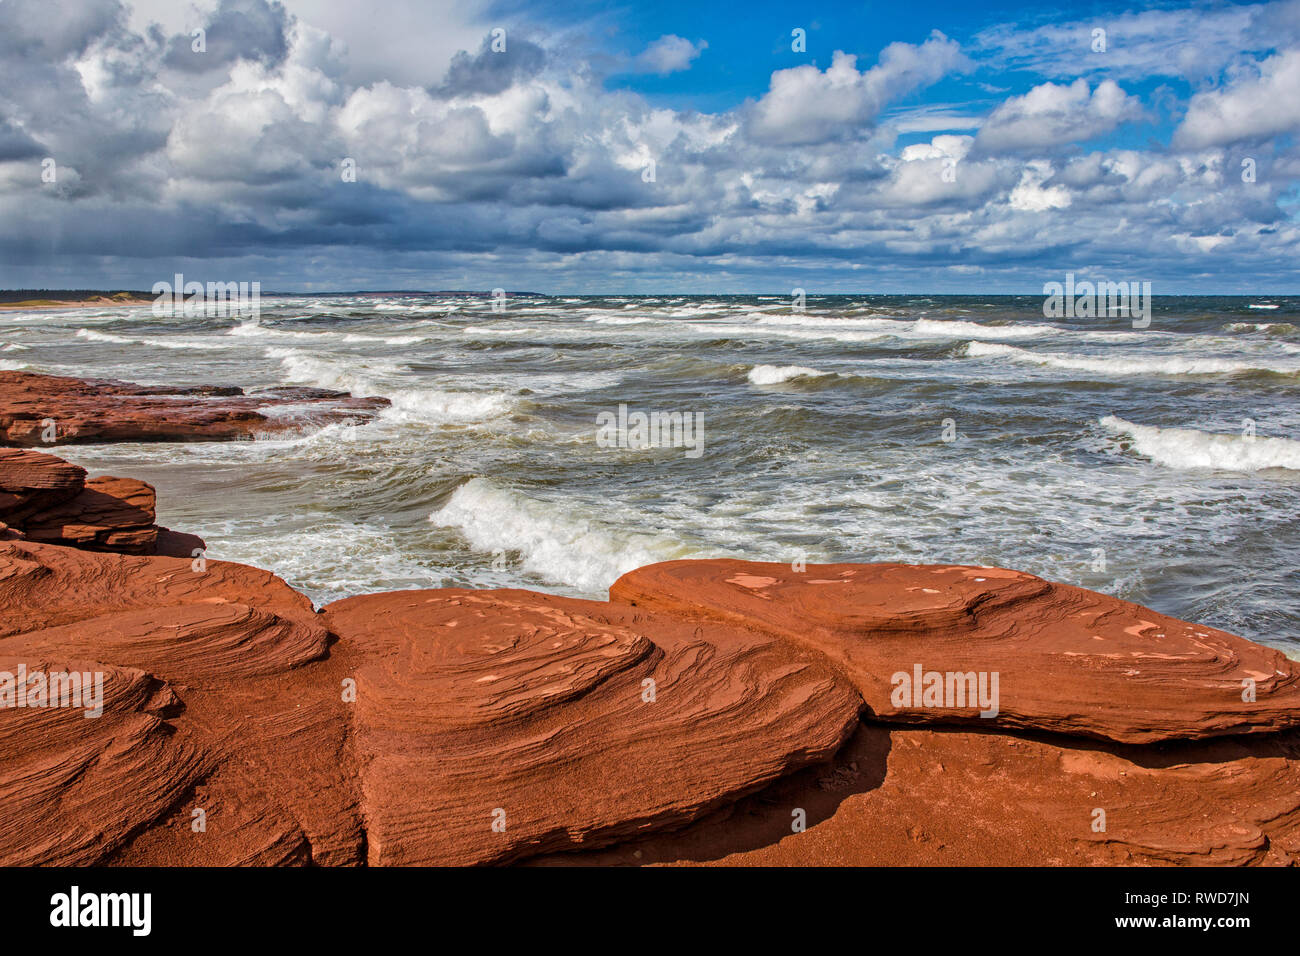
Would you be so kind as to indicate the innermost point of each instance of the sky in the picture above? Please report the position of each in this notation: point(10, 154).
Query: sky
point(671, 146)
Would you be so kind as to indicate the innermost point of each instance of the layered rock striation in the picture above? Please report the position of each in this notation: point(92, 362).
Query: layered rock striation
point(38, 409)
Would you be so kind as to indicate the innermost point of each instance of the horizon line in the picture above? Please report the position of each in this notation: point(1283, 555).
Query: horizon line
point(784, 295)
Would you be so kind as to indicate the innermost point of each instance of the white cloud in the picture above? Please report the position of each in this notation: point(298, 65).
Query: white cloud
point(1260, 102)
point(1196, 41)
point(1054, 115)
point(937, 173)
point(805, 105)
point(1031, 196)
point(527, 165)
point(931, 118)
point(670, 54)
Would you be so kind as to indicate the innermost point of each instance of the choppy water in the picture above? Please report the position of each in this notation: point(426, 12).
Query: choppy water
point(1085, 451)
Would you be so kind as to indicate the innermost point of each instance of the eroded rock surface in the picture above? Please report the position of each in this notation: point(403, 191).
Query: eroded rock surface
point(595, 725)
point(100, 410)
point(1068, 660)
point(46, 499)
point(73, 788)
point(109, 514)
point(31, 481)
point(264, 744)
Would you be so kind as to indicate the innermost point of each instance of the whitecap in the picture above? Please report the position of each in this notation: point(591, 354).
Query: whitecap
point(557, 541)
point(776, 374)
point(1133, 365)
point(1192, 448)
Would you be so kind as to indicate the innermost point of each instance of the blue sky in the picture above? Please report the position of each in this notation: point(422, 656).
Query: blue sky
point(944, 147)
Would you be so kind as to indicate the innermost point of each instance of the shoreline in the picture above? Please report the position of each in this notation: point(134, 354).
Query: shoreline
point(51, 305)
point(688, 716)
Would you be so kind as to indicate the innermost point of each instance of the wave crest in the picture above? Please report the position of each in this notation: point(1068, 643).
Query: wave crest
point(556, 542)
point(1191, 448)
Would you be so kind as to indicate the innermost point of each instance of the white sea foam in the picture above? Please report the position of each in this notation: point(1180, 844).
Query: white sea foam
point(776, 374)
point(305, 368)
point(559, 542)
point(374, 377)
point(1133, 365)
point(1191, 448)
point(360, 338)
point(183, 344)
point(330, 558)
point(1269, 328)
point(255, 330)
point(619, 319)
point(441, 405)
point(559, 383)
point(914, 328)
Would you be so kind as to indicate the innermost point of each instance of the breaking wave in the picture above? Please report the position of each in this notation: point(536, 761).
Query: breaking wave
point(1191, 448)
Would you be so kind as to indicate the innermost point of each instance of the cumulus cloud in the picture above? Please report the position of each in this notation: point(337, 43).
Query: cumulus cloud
point(1261, 101)
point(492, 71)
point(670, 54)
point(1031, 195)
point(935, 174)
point(1051, 115)
point(805, 105)
point(526, 169)
point(237, 29)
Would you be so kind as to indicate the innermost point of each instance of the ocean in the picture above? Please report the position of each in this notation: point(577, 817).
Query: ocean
point(1160, 464)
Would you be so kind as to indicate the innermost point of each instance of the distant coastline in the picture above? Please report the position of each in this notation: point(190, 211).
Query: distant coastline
point(69, 298)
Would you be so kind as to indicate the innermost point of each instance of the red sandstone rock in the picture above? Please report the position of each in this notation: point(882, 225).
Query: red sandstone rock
point(43, 586)
point(178, 544)
point(72, 788)
point(900, 795)
point(227, 643)
point(225, 694)
point(1069, 660)
point(534, 713)
point(110, 514)
point(98, 410)
point(46, 499)
point(31, 481)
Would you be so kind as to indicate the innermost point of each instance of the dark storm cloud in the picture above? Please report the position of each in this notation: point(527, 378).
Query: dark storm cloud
point(236, 30)
point(489, 71)
point(15, 144)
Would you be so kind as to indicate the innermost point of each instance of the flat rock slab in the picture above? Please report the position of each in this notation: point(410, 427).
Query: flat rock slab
point(217, 621)
point(495, 725)
point(909, 796)
point(108, 514)
point(31, 481)
point(1067, 660)
point(102, 410)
